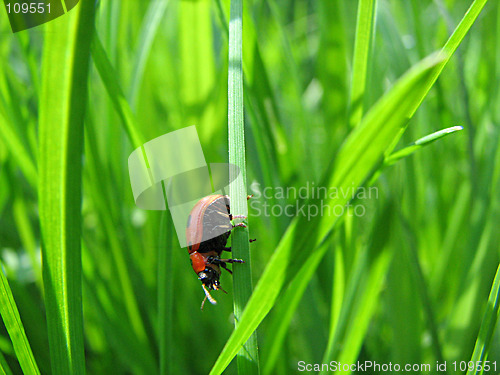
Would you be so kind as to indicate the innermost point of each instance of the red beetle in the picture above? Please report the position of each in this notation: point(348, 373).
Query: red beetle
point(208, 228)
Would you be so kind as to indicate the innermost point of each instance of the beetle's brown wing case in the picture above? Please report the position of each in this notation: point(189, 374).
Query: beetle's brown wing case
point(216, 219)
point(209, 220)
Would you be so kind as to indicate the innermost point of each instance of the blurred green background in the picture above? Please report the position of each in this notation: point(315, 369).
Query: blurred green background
point(409, 280)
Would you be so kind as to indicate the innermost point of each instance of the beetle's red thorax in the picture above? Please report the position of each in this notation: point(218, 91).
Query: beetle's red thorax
point(198, 262)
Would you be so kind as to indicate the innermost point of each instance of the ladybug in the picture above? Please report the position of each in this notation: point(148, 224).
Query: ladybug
point(208, 228)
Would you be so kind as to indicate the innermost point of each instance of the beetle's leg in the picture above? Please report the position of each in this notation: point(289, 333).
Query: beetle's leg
point(243, 225)
point(223, 265)
point(218, 261)
point(250, 240)
point(249, 196)
point(224, 261)
point(231, 217)
point(231, 260)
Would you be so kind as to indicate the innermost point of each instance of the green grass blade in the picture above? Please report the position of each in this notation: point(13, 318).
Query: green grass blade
point(373, 137)
point(154, 15)
point(263, 114)
point(361, 293)
point(365, 25)
point(197, 70)
point(419, 143)
point(165, 296)
point(11, 123)
point(248, 359)
point(363, 311)
point(4, 366)
point(62, 109)
point(115, 92)
point(14, 326)
point(333, 47)
point(488, 324)
point(102, 198)
point(359, 155)
point(26, 231)
point(17, 149)
point(390, 110)
point(453, 42)
point(415, 270)
point(381, 125)
point(409, 150)
point(285, 312)
point(448, 50)
point(123, 342)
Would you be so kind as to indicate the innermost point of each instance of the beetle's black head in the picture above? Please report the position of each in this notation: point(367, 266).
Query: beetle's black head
point(210, 278)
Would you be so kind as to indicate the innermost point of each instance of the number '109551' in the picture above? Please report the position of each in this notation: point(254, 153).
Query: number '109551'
point(474, 366)
point(28, 8)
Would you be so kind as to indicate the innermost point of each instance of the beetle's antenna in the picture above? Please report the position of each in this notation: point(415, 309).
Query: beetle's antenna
point(207, 296)
point(203, 303)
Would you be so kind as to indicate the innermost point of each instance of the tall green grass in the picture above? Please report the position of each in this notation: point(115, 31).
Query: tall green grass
point(398, 96)
point(248, 358)
point(62, 106)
